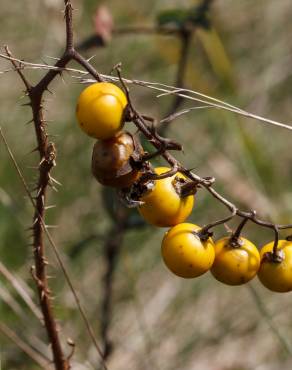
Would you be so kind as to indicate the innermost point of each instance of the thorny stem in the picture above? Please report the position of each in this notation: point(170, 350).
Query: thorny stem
point(57, 255)
point(47, 161)
point(86, 65)
point(69, 26)
point(47, 154)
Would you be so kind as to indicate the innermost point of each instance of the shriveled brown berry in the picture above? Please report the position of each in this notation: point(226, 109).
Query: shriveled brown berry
point(111, 160)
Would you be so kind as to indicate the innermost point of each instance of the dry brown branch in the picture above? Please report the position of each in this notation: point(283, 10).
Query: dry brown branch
point(47, 162)
point(162, 145)
point(56, 252)
point(47, 155)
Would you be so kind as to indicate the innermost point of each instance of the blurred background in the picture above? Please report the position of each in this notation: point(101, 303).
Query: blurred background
point(143, 316)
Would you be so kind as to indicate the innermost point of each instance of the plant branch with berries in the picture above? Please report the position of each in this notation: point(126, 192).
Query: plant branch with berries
point(47, 153)
point(120, 161)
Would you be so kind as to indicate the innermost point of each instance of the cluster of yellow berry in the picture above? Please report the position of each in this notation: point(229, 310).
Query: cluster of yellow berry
point(232, 260)
point(100, 113)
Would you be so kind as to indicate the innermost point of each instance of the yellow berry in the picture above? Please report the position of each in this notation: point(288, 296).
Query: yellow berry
point(235, 265)
point(276, 275)
point(163, 206)
point(184, 253)
point(100, 109)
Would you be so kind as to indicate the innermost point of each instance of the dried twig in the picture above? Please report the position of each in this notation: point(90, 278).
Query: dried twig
point(6, 297)
point(34, 355)
point(164, 89)
point(21, 289)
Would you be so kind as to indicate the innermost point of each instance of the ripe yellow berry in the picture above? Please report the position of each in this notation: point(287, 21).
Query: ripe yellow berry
point(184, 253)
point(163, 206)
point(276, 275)
point(100, 109)
point(235, 264)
